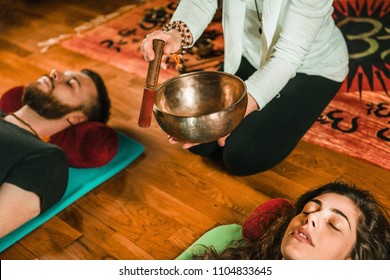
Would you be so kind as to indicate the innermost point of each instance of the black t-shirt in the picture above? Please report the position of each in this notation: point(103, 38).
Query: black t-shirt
point(32, 164)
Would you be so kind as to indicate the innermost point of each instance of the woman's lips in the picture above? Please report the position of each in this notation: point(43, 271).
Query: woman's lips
point(303, 235)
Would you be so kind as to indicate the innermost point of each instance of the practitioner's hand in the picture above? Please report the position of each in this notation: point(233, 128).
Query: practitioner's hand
point(186, 145)
point(172, 41)
point(221, 141)
point(252, 105)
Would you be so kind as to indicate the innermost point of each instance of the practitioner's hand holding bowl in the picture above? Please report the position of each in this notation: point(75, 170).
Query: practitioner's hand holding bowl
point(200, 107)
point(252, 106)
point(203, 97)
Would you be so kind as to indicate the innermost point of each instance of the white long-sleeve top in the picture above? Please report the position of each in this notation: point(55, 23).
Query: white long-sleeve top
point(299, 36)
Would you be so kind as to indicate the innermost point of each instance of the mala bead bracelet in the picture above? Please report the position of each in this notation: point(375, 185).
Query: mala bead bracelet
point(185, 33)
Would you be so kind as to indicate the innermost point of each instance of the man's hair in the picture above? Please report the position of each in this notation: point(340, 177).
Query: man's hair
point(100, 110)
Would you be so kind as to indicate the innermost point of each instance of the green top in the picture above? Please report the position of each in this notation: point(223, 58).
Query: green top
point(219, 237)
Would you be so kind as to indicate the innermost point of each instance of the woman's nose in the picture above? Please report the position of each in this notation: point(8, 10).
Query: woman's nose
point(311, 219)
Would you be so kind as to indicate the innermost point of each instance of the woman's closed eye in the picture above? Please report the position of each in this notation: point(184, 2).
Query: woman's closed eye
point(334, 227)
point(310, 207)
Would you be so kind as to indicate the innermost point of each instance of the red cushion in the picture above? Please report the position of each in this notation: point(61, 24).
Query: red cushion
point(89, 144)
point(11, 100)
point(263, 216)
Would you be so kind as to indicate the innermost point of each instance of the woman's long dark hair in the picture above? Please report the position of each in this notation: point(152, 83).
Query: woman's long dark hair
point(373, 229)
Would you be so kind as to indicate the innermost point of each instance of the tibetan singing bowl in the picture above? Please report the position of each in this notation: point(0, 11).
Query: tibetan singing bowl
point(200, 107)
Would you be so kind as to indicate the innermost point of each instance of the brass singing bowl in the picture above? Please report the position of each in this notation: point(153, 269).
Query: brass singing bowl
point(200, 107)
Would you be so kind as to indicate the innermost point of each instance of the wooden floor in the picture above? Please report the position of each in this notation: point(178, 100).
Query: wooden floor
point(167, 198)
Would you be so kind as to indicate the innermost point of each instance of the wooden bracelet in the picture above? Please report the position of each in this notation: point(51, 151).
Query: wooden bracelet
point(185, 33)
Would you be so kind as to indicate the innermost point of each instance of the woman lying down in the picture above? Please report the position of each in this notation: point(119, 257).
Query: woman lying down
point(336, 221)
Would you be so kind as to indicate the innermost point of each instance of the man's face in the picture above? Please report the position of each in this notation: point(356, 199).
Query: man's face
point(60, 93)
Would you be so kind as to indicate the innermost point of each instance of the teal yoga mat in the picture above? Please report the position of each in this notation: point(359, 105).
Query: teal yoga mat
point(81, 181)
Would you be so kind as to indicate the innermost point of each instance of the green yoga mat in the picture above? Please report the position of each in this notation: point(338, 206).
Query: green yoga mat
point(219, 237)
point(81, 181)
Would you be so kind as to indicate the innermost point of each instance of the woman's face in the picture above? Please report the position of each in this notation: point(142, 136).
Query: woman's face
point(325, 229)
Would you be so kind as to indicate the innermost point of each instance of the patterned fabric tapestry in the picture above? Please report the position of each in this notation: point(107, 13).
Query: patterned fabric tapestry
point(356, 122)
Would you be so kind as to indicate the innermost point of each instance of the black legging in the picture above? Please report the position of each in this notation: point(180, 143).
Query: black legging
point(264, 138)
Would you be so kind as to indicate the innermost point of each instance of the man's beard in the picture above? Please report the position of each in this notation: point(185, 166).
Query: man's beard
point(46, 104)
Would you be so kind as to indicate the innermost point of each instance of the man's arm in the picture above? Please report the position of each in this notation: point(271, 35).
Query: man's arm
point(17, 206)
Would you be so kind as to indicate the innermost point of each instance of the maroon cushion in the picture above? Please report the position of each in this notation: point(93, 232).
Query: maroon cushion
point(89, 144)
point(11, 100)
point(263, 216)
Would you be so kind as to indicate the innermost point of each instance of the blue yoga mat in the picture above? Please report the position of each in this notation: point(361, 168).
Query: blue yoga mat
point(81, 181)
